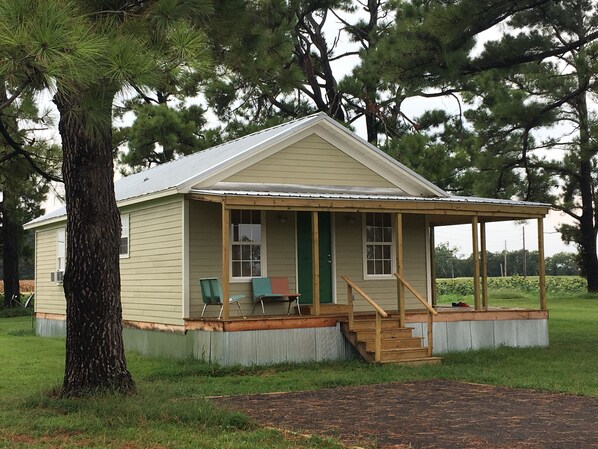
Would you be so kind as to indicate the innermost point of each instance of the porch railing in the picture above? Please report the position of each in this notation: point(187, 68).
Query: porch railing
point(429, 308)
point(380, 313)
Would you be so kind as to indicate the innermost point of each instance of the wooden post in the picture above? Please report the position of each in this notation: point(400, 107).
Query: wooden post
point(476, 263)
point(378, 344)
point(225, 262)
point(430, 330)
point(484, 266)
point(350, 306)
point(433, 264)
point(315, 256)
point(399, 256)
point(541, 266)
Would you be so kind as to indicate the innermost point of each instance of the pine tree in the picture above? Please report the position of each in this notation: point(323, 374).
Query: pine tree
point(87, 52)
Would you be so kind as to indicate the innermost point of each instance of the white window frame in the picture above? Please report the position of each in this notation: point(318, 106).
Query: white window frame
point(125, 227)
point(263, 251)
point(392, 244)
point(61, 249)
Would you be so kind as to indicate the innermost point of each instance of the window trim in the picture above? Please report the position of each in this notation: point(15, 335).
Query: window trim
point(127, 218)
point(393, 248)
point(61, 234)
point(263, 251)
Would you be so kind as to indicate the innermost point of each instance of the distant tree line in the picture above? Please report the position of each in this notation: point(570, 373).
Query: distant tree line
point(449, 264)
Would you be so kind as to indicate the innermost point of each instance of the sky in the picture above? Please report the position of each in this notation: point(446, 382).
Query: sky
point(508, 233)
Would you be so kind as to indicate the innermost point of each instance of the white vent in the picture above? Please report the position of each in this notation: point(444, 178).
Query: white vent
point(57, 276)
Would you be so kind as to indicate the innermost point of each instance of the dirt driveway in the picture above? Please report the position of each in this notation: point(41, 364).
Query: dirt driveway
point(430, 414)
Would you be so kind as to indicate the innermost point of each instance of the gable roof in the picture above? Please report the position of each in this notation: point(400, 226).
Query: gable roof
point(206, 168)
point(184, 173)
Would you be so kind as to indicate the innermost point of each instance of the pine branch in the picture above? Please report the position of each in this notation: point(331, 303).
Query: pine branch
point(19, 150)
point(473, 68)
point(13, 97)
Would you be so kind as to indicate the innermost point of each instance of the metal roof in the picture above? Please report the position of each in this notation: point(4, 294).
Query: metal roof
point(366, 196)
point(186, 174)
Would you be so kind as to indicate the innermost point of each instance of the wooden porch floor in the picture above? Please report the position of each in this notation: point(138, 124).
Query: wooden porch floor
point(445, 314)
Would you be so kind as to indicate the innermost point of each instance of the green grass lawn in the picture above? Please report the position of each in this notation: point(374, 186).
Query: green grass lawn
point(170, 411)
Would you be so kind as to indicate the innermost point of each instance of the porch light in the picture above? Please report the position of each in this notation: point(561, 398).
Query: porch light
point(282, 218)
point(350, 219)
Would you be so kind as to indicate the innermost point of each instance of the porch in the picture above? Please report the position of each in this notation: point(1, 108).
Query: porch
point(380, 262)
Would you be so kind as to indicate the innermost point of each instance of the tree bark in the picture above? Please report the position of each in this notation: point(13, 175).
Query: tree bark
point(10, 252)
point(587, 229)
point(586, 223)
point(95, 357)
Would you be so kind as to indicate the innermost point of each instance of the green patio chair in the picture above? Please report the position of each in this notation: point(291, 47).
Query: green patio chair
point(211, 293)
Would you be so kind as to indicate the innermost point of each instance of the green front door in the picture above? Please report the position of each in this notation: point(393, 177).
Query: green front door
point(304, 259)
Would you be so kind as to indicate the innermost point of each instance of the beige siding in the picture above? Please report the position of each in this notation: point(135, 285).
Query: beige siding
point(151, 277)
point(349, 262)
point(49, 296)
point(205, 254)
point(205, 257)
point(281, 252)
point(311, 161)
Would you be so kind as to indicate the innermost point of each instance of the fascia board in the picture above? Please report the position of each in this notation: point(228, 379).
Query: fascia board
point(39, 224)
point(120, 204)
point(148, 197)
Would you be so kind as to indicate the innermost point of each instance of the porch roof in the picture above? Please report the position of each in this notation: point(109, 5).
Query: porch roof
point(441, 210)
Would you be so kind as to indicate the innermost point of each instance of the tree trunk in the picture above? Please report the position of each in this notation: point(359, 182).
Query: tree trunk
point(10, 252)
point(586, 228)
point(586, 223)
point(95, 357)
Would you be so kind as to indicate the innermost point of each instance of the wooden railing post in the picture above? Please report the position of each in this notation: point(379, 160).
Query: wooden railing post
point(380, 313)
point(399, 257)
point(541, 265)
point(431, 311)
point(350, 306)
point(430, 331)
point(378, 347)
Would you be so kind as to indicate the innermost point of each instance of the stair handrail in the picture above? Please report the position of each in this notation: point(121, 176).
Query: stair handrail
point(431, 311)
point(380, 313)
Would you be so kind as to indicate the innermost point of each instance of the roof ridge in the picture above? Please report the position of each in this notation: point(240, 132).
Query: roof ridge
point(206, 150)
point(261, 131)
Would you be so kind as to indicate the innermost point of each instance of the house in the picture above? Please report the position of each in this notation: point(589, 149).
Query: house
point(349, 227)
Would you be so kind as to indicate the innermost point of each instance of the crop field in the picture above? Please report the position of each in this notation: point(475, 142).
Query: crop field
point(27, 286)
point(554, 285)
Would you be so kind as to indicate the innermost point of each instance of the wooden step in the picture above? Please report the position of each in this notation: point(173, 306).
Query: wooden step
point(402, 332)
point(397, 346)
point(370, 324)
point(394, 343)
point(400, 355)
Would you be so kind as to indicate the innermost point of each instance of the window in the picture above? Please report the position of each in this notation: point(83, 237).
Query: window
point(61, 249)
point(124, 236)
point(378, 244)
point(246, 243)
